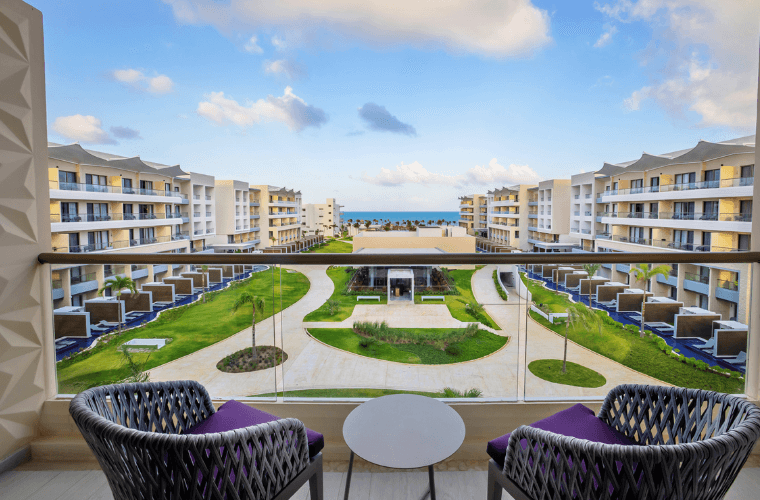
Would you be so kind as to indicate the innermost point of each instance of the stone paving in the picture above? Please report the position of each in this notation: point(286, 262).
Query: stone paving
point(313, 365)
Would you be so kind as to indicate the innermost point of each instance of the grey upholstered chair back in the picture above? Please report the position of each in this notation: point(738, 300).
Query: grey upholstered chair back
point(136, 432)
point(693, 445)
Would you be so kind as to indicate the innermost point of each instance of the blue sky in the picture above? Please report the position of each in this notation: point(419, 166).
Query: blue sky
point(394, 107)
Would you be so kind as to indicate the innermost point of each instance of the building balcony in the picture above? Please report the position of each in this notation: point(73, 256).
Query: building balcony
point(673, 245)
point(282, 214)
point(83, 283)
point(728, 290)
point(696, 283)
point(724, 188)
point(670, 280)
point(255, 216)
point(710, 221)
point(284, 203)
point(210, 230)
point(603, 236)
point(184, 235)
point(92, 192)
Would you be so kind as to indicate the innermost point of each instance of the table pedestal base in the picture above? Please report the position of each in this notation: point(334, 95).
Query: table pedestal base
point(431, 479)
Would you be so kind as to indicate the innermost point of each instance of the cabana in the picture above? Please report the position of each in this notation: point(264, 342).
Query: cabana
point(215, 275)
point(660, 310)
point(547, 269)
point(71, 321)
point(162, 293)
point(695, 322)
point(573, 280)
point(197, 277)
point(730, 338)
point(588, 285)
point(631, 300)
point(105, 310)
point(182, 286)
point(606, 294)
point(141, 301)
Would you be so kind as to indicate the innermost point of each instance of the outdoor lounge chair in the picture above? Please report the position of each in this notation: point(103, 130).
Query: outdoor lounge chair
point(163, 440)
point(710, 344)
point(661, 326)
point(741, 359)
point(647, 442)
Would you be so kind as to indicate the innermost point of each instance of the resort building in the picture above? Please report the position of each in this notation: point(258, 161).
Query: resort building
point(549, 231)
point(698, 199)
point(110, 204)
point(473, 214)
point(509, 215)
point(324, 217)
point(236, 229)
point(202, 213)
point(280, 215)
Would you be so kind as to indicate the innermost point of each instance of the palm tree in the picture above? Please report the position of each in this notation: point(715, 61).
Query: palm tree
point(204, 269)
point(645, 272)
point(116, 284)
point(578, 314)
point(258, 304)
point(591, 269)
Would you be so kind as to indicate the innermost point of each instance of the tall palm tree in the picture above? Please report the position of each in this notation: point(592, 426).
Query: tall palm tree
point(258, 305)
point(116, 284)
point(577, 314)
point(591, 269)
point(645, 272)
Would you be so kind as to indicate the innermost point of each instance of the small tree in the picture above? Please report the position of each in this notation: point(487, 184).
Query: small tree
point(258, 305)
point(204, 271)
point(116, 284)
point(591, 269)
point(332, 305)
point(577, 314)
point(645, 272)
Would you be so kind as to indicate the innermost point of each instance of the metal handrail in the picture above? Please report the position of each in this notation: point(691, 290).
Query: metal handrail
point(685, 186)
point(99, 188)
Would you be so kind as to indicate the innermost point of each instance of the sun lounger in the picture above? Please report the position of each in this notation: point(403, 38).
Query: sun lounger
point(741, 359)
point(663, 327)
point(710, 344)
point(634, 316)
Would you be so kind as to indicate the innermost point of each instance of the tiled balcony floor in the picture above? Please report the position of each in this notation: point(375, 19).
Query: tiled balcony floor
point(39, 481)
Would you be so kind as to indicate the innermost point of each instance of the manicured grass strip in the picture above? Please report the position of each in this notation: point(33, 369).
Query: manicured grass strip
point(576, 375)
point(345, 309)
point(457, 303)
point(478, 346)
point(639, 354)
point(541, 295)
point(332, 246)
point(346, 393)
point(191, 328)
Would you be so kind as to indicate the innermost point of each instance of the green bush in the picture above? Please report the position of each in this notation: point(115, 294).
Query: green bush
point(381, 332)
point(449, 392)
point(453, 350)
point(497, 284)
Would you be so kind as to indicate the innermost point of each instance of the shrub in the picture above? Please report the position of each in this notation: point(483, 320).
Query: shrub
point(367, 342)
point(453, 350)
point(450, 392)
point(632, 328)
point(497, 284)
point(332, 305)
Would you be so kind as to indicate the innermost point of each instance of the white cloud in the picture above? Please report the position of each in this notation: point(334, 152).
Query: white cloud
point(252, 46)
point(285, 67)
point(279, 43)
point(497, 174)
point(288, 109)
point(502, 28)
point(493, 174)
point(160, 84)
point(606, 37)
point(702, 57)
point(82, 128)
point(413, 173)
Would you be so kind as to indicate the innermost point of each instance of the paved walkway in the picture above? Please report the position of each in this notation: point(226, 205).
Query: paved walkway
point(313, 365)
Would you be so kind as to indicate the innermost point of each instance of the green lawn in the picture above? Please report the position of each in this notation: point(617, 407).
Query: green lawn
point(576, 375)
point(340, 277)
point(482, 344)
point(541, 295)
point(634, 352)
point(456, 303)
point(346, 393)
point(190, 327)
point(332, 246)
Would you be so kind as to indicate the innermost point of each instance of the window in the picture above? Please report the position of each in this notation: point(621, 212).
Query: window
point(146, 187)
point(637, 186)
point(126, 186)
point(69, 212)
point(683, 240)
point(654, 184)
point(97, 212)
point(709, 210)
point(745, 209)
point(74, 242)
point(96, 183)
point(683, 210)
point(712, 178)
point(748, 174)
point(168, 210)
point(146, 211)
point(653, 210)
point(636, 235)
point(706, 242)
point(147, 235)
point(76, 300)
point(128, 215)
point(744, 243)
point(702, 301)
point(674, 292)
point(67, 180)
point(685, 181)
point(97, 240)
point(517, 234)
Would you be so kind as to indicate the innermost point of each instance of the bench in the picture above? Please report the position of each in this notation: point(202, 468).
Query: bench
point(367, 297)
point(432, 297)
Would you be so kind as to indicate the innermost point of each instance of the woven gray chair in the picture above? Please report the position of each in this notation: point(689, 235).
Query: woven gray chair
point(138, 438)
point(691, 445)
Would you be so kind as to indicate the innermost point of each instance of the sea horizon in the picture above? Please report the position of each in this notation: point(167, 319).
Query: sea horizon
point(393, 216)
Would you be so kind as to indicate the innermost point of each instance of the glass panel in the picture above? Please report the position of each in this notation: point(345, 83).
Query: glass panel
point(181, 324)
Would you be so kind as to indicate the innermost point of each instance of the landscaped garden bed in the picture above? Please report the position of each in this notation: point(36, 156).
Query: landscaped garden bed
point(463, 306)
point(429, 346)
point(447, 392)
point(342, 305)
point(649, 355)
point(191, 328)
point(332, 246)
point(243, 360)
point(575, 374)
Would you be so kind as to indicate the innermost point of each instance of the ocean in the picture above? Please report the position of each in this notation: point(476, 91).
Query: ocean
point(451, 217)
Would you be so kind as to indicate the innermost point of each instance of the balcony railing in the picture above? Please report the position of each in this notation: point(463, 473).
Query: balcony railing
point(208, 198)
point(113, 271)
point(196, 197)
point(577, 196)
point(57, 284)
point(697, 277)
point(674, 245)
point(198, 232)
point(698, 216)
point(184, 235)
point(688, 186)
point(208, 214)
point(114, 216)
point(97, 188)
point(210, 230)
point(82, 278)
point(588, 196)
point(729, 284)
point(604, 236)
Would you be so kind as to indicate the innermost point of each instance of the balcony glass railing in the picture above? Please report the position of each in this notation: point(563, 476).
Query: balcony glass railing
point(697, 216)
point(208, 198)
point(723, 183)
point(198, 232)
point(210, 230)
point(83, 278)
point(509, 340)
point(729, 284)
point(196, 197)
point(114, 216)
point(113, 271)
point(97, 188)
point(57, 284)
point(674, 245)
point(697, 277)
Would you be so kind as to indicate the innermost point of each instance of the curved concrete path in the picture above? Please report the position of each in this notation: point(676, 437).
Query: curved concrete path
point(313, 365)
point(543, 343)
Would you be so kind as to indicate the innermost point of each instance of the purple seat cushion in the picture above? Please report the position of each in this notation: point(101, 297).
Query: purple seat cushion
point(576, 421)
point(235, 415)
